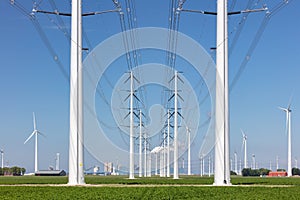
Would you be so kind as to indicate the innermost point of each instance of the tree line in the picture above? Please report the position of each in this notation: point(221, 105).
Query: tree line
point(265, 172)
point(255, 172)
point(12, 171)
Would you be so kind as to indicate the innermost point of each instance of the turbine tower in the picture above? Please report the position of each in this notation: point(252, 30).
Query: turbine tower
point(201, 168)
point(34, 133)
point(245, 148)
point(57, 161)
point(189, 150)
point(288, 126)
point(209, 166)
point(2, 158)
point(146, 169)
point(235, 163)
point(253, 162)
point(140, 147)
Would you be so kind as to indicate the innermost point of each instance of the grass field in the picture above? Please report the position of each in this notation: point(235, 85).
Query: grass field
point(112, 187)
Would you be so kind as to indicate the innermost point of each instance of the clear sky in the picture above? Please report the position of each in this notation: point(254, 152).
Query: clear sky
point(31, 80)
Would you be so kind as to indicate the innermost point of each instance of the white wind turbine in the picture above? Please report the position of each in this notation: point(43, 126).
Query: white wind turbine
point(245, 148)
point(34, 133)
point(288, 127)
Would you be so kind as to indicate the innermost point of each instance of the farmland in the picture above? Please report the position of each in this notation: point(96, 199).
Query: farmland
point(111, 187)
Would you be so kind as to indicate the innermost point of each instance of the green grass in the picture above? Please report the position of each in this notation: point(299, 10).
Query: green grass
point(142, 191)
point(12, 180)
point(266, 181)
point(188, 180)
point(169, 192)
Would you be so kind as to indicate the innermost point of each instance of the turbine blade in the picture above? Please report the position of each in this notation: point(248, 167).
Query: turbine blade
point(243, 134)
point(34, 121)
point(29, 137)
point(42, 134)
point(284, 109)
point(290, 101)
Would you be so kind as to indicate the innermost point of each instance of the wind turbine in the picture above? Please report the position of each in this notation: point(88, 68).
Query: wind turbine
point(253, 162)
point(245, 148)
point(34, 133)
point(235, 163)
point(288, 127)
point(277, 163)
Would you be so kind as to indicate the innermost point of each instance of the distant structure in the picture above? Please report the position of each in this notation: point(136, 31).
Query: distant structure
point(108, 167)
point(253, 162)
point(235, 163)
point(50, 173)
point(245, 148)
point(95, 170)
point(189, 150)
point(278, 174)
point(57, 161)
point(2, 158)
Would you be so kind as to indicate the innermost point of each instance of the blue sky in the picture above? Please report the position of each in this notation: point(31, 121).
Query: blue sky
point(31, 81)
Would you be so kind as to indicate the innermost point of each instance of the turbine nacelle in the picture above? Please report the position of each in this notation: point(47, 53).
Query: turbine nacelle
point(244, 136)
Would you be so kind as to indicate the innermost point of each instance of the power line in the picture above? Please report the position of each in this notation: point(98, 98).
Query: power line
point(55, 56)
point(256, 39)
point(241, 24)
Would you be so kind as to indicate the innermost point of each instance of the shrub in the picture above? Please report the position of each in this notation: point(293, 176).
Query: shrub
point(295, 171)
point(15, 171)
point(255, 172)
